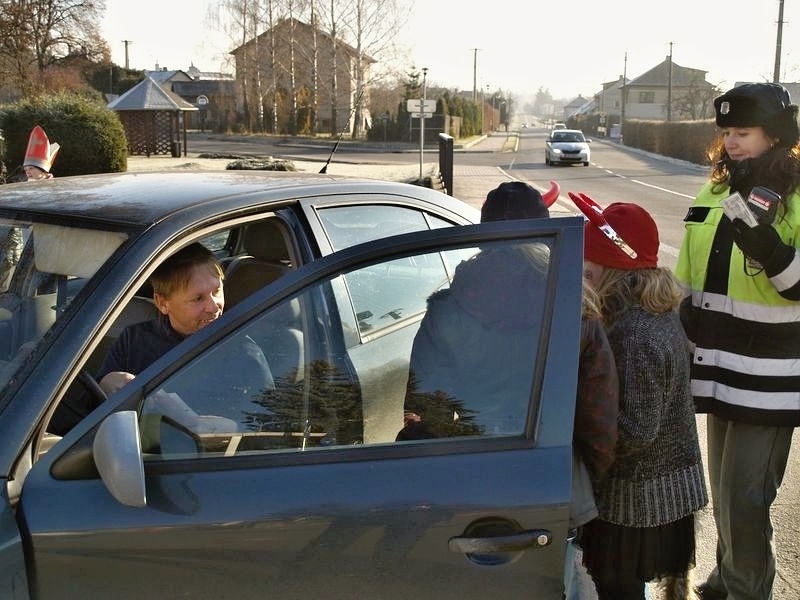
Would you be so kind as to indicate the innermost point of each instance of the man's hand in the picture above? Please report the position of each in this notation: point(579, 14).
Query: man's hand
point(114, 381)
point(172, 406)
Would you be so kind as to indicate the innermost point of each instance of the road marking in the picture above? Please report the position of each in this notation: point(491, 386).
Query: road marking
point(569, 207)
point(660, 189)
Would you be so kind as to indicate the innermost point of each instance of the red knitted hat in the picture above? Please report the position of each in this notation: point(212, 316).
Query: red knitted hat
point(632, 223)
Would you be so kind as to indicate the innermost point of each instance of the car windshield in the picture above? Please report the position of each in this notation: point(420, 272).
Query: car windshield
point(568, 137)
point(42, 268)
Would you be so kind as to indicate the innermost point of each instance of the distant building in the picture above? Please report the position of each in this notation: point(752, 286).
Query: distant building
point(212, 93)
point(574, 107)
point(265, 79)
point(667, 92)
point(670, 91)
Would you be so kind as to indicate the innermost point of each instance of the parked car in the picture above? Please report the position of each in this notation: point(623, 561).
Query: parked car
point(567, 146)
point(304, 490)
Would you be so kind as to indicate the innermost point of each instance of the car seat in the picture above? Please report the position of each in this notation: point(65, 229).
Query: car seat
point(266, 259)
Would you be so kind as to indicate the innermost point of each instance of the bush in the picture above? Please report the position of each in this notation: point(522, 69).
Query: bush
point(91, 136)
point(684, 140)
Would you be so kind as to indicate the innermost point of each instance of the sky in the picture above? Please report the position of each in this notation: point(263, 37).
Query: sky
point(519, 47)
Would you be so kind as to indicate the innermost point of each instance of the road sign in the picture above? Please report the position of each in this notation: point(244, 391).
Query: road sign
point(428, 107)
point(416, 115)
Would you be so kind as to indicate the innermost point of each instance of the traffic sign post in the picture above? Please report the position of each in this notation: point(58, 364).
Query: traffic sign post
point(421, 109)
point(202, 102)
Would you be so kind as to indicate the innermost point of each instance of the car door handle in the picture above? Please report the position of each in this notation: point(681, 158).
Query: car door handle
point(532, 538)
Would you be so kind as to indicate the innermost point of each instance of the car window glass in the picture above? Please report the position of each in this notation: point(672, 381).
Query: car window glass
point(387, 293)
point(453, 257)
point(286, 381)
point(217, 242)
point(350, 225)
point(379, 299)
point(43, 267)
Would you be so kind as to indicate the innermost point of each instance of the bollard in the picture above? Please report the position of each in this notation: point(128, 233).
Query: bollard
point(446, 162)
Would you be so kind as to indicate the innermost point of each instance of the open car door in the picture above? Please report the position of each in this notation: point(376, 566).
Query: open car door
point(191, 482)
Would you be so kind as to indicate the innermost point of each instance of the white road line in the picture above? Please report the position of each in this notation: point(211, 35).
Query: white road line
point(569, 207)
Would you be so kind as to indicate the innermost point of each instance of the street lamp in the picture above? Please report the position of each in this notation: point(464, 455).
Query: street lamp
point(422, 120)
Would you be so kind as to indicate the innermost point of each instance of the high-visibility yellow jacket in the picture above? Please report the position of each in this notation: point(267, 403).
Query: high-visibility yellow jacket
point(744, 324)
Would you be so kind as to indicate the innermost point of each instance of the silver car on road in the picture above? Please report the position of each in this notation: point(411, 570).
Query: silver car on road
point(567, 146)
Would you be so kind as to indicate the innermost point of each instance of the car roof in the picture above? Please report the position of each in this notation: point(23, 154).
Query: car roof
point(138, 199)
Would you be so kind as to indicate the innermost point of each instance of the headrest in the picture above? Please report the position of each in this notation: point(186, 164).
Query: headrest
point(264, 240)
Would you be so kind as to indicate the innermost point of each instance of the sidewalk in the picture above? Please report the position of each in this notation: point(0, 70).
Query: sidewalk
point(471, 184)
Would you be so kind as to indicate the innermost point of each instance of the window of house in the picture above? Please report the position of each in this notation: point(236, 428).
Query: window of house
point(647, 97)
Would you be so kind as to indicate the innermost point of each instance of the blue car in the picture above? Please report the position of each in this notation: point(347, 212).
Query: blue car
point(303, 488)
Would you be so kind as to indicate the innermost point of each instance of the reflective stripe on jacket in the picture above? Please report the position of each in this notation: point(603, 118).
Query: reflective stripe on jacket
point(746, 362)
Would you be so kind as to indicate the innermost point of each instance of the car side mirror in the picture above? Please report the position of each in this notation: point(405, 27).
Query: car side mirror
point(117, 453)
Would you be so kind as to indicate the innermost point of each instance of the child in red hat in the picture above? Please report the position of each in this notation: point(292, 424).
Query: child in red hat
point(645, 529)
point(39, 155)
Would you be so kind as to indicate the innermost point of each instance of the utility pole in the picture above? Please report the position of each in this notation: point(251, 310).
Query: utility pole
point(422, 120)
point(776, 75)
point(483, 108)
point(624, 96)
point(126, 42)
point(475, 74)
point(669, 86)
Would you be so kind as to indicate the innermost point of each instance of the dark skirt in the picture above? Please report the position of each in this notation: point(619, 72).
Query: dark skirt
point(623, 554)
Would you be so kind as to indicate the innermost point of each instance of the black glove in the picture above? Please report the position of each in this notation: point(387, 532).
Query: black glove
point(763, 244)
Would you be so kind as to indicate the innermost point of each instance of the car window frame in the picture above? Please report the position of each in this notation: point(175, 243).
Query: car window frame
point(565, 232)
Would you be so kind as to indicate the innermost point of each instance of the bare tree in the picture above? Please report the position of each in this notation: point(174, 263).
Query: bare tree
point(314, 69)
point(273, 63)
point(695, 102)
point(373, 28)
point(235, 18)
point(331, 21)
point(38, 34)
point(291, 6)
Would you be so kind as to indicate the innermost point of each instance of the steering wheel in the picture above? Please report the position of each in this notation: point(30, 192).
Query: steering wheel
point(91, 384)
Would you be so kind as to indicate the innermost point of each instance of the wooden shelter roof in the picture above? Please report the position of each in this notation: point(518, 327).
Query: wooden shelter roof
point(148, 95)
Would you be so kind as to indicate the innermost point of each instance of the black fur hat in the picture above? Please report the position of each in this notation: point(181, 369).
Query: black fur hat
point(765, 105)
point(513, 200)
